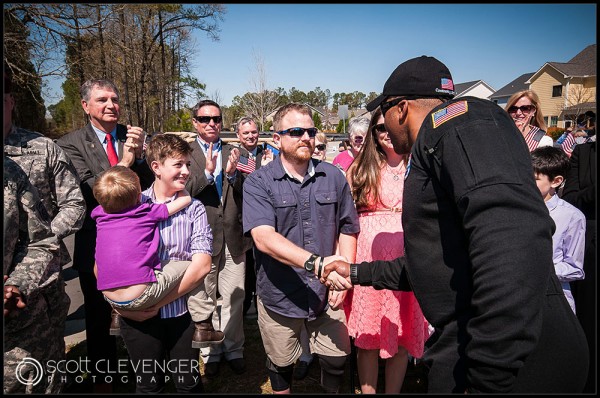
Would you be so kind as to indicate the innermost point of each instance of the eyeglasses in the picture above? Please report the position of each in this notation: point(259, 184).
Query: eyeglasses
point(524, 109)
point(385, 106)
point(320, 147)
point(206, 119)
point(299, 131)
point(380, 128)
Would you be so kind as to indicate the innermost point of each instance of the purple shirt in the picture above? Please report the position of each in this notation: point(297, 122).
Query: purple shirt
point(568, 243)
point(311, 214)
point(126, 245)
point(182, 235)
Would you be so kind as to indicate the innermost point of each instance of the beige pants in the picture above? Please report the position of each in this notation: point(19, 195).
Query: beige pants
point(328, 334)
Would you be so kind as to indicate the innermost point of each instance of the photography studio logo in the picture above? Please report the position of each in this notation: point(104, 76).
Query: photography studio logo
point(29, 372)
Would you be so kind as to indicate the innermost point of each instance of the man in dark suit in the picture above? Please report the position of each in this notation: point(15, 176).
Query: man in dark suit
point(216, 182)
point(92, 150)
point(247, 132)
point(580, 191)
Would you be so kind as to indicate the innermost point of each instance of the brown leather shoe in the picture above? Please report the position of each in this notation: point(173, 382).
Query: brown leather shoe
point(115, 324)
point(205, 334)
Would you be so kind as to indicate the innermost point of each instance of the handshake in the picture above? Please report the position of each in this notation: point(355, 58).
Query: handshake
point(336, 273)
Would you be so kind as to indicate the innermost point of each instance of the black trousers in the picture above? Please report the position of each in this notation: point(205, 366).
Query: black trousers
point(584, 293)
point(101, 346)
point(161, 350)
point(250, 281)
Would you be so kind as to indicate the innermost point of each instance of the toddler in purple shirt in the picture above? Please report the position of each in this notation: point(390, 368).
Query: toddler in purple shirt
point(129, 271)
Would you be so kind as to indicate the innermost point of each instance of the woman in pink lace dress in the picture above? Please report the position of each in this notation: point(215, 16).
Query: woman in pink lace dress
point(384, 323)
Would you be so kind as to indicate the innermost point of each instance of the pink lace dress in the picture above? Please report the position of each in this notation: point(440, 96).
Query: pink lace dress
point(384, 319)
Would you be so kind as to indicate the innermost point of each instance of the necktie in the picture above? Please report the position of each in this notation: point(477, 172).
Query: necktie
point(110, 151)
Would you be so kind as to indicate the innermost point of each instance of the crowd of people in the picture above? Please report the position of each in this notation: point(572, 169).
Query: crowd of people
point(452, 231)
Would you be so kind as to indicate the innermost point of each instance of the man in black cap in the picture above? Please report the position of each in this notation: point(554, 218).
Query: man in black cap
point(478, 244)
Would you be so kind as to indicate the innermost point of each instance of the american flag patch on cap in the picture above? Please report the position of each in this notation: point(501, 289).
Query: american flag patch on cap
point(447, 84)
point(449, 112)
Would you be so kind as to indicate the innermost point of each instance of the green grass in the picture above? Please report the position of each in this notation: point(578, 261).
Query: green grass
point(254, 381)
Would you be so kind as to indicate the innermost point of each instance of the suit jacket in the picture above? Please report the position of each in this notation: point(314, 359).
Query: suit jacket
point(224, 217)
point(89, 158)
point(580, 184)
point(248, 241)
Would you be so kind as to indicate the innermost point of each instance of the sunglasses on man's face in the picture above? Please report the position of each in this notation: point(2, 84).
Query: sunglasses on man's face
point(320, 147)
point(299, 131)
point(386, 106)
point(524, 109)
point(206, 119)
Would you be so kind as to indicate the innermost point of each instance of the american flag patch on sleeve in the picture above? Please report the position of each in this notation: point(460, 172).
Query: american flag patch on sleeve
point(449, 112)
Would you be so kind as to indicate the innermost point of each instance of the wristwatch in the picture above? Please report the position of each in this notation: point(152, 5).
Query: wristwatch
point(309, 264)
point(354, 274)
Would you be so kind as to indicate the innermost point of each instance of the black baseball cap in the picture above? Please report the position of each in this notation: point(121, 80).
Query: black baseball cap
point(421, 77)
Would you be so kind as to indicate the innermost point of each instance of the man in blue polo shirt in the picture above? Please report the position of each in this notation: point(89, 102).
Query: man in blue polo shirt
point(300, 213)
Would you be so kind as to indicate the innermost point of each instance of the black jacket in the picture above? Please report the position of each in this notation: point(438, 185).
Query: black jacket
point(478, 241)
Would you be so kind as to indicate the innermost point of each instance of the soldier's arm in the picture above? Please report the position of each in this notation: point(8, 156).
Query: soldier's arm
point(32, 262)
point(69, 198)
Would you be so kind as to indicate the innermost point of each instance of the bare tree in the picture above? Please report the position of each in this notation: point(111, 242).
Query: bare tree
point(576, 103)
point(260, 101)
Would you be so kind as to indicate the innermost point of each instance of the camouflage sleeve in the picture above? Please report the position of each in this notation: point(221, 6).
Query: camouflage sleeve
point(31, 249)
point(69, 198)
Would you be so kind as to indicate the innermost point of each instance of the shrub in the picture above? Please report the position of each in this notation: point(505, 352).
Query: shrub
point(555, 132)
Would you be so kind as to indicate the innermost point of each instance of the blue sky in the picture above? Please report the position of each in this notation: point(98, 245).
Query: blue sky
point(355, 47)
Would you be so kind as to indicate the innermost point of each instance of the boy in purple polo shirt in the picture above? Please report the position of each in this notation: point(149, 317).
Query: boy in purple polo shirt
point(550, 166)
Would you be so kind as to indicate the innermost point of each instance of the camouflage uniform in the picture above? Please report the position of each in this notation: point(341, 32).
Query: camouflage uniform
point(32, 264)
point(52, 174)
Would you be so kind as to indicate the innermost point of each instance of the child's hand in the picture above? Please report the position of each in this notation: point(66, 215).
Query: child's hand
point(128, 153)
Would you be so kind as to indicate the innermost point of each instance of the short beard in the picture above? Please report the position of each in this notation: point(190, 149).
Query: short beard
point(297, 158)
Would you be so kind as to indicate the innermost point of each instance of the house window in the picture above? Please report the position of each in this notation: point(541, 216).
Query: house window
point(557, 91)
point(546, 120)
point(553, 121)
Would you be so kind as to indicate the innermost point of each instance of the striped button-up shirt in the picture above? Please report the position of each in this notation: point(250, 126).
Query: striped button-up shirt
point(182, 235)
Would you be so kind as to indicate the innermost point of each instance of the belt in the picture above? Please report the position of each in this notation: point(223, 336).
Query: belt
point(388, 210)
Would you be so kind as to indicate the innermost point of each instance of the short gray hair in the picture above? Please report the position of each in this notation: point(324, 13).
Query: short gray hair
point(243, 120)
point(358, 125)
point(86, 88)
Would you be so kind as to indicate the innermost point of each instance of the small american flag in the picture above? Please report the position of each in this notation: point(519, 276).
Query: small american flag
point(246, 165)
point(529, 138)
point(568, 144)
point(447, 84)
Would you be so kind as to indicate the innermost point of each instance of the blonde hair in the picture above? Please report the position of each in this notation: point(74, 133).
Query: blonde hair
point(321, 137)
point(538, 120)
point(117, 189)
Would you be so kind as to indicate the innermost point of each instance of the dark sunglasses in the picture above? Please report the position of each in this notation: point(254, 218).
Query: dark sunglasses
point(320, 147)
point(299, 131)
point(385, 106)
point(206, 119)
point(380, 128)
point(523, 109)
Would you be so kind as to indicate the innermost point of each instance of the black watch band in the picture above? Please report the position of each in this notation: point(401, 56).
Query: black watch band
point(354, 274)
point(309, 264)
point(320, 268)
